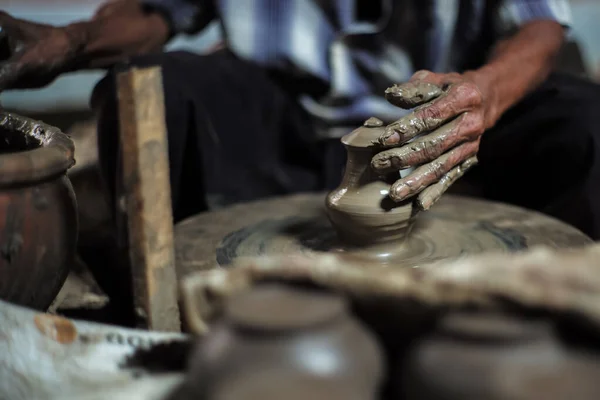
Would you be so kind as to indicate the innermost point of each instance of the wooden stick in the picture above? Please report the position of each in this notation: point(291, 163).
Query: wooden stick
point(147, 193)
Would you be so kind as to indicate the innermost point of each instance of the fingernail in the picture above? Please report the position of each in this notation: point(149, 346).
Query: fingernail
point(424, 204)
point(389, 138)
point(400, 192)
point(381, 163)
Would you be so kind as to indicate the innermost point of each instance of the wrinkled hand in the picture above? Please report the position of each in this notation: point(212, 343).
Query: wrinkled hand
point(37, 53)
point(452, 111)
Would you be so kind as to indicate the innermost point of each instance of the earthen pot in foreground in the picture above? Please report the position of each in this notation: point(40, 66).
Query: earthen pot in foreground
point(282, 342)
point(38, 220)
point(360, 209)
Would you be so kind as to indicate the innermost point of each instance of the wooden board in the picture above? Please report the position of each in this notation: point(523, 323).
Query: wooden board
point(148, 197)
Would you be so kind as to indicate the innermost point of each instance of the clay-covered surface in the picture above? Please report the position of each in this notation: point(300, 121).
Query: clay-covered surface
point(454, 227)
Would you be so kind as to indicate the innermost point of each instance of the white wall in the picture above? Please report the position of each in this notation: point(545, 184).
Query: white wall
point(71, 92)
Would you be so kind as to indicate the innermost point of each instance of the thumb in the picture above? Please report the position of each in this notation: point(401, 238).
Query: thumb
point(411, 94)
point(422, 87)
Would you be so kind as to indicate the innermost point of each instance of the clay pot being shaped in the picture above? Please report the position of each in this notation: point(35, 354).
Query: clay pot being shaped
point(360, 209)
point(38, 218)
point(277, 341)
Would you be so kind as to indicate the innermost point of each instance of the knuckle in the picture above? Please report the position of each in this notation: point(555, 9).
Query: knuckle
point(449, 80)
point(431, 152)
point(431, 112)
point(411, 125)
point(431, 116)
point(469, 93)
point(386, 160)
point(472, 124)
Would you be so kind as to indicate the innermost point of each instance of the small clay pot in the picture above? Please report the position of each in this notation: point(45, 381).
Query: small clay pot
point(360, 209)
point(279, 342)
point(38, 216)
point(497, 357)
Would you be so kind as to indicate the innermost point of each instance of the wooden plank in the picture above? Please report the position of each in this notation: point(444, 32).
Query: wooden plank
point(148, 197)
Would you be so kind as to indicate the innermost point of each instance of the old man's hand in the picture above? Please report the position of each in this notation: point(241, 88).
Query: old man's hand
point(440, 137)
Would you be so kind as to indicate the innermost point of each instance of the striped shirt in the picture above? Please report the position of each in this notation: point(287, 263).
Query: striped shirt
point(354, 49)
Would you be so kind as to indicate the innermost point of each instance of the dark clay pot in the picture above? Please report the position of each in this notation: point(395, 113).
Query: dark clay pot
point(497, 357)
point(277, 342)
point(38, 211)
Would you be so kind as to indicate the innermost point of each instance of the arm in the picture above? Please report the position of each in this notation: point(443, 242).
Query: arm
point(119, 29)
point(457, 109)
point(517, 66)
point(124, 28)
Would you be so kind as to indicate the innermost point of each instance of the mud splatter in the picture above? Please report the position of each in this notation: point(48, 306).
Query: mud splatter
point(59, 329)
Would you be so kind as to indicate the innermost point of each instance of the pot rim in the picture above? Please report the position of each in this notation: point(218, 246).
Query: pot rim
point(55, 155)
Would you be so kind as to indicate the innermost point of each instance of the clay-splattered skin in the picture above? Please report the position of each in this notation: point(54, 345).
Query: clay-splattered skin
point(440, 137)
point(409, 96)
point(452, 111)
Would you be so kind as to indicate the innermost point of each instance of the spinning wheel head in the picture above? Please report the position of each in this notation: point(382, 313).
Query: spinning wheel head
point(456, 226)
point(361, 222)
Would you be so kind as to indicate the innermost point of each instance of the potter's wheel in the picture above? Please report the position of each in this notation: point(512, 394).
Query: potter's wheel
point(454, 227)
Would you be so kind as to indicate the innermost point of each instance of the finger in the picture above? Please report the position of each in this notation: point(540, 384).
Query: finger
point(465, 128)
point(433, 193)
point(411, 94)
point(422, 87)
point(456, 100)
point(430, 173)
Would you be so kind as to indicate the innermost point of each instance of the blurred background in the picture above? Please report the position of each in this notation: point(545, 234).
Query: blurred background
point(66, 99)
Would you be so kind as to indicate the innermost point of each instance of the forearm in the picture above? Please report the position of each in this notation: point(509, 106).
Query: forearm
point(120, 29)
point(518, 65)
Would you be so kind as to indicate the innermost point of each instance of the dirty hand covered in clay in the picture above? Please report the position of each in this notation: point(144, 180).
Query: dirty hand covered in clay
point(439, 138)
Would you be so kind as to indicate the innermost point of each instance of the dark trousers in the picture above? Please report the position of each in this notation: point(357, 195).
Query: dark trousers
point(236, 135)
